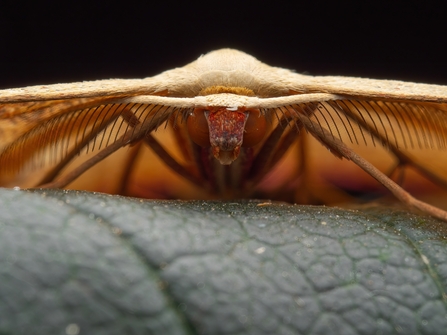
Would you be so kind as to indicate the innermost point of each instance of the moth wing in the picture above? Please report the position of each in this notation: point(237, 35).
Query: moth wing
point(87, 89)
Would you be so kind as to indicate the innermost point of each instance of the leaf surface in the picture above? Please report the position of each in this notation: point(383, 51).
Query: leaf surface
point(84, 263)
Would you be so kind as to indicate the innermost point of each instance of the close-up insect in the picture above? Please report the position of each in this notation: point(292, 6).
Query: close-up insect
point(229, 126)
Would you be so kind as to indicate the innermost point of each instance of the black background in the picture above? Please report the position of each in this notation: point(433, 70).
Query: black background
point(42, 44)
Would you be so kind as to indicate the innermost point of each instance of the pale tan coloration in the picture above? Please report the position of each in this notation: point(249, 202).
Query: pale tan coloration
point(231, 68)
point(334, 110)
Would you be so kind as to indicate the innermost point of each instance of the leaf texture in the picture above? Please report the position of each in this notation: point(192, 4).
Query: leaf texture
point(112, 265)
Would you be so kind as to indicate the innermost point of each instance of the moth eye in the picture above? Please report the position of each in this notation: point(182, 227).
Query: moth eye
point(198, 127)
point(255, 129)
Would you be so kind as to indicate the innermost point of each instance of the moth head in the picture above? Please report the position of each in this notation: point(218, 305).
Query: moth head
point(226, 130)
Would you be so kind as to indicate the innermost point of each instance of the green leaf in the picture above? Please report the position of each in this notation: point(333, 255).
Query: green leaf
point(84, 263)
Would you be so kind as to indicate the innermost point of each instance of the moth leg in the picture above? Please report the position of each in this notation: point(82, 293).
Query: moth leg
point(138, 131)
point(75, 173)
point(54, 172)
point(274, 147)
point(397, 170)
point(122, 110)
point(170, 161)
point(191, 152)
point(288, 131)
point(131, 119)
point(262, 163)
point(131, 159)
point(313, 189)
point(403, 159)
point(162, 153)
point(337, 146)
point(136, 145)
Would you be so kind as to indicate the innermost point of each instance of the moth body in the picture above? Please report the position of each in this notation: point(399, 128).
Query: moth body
point(232, 120)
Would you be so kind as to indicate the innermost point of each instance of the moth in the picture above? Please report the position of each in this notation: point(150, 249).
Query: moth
point(231, 121)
